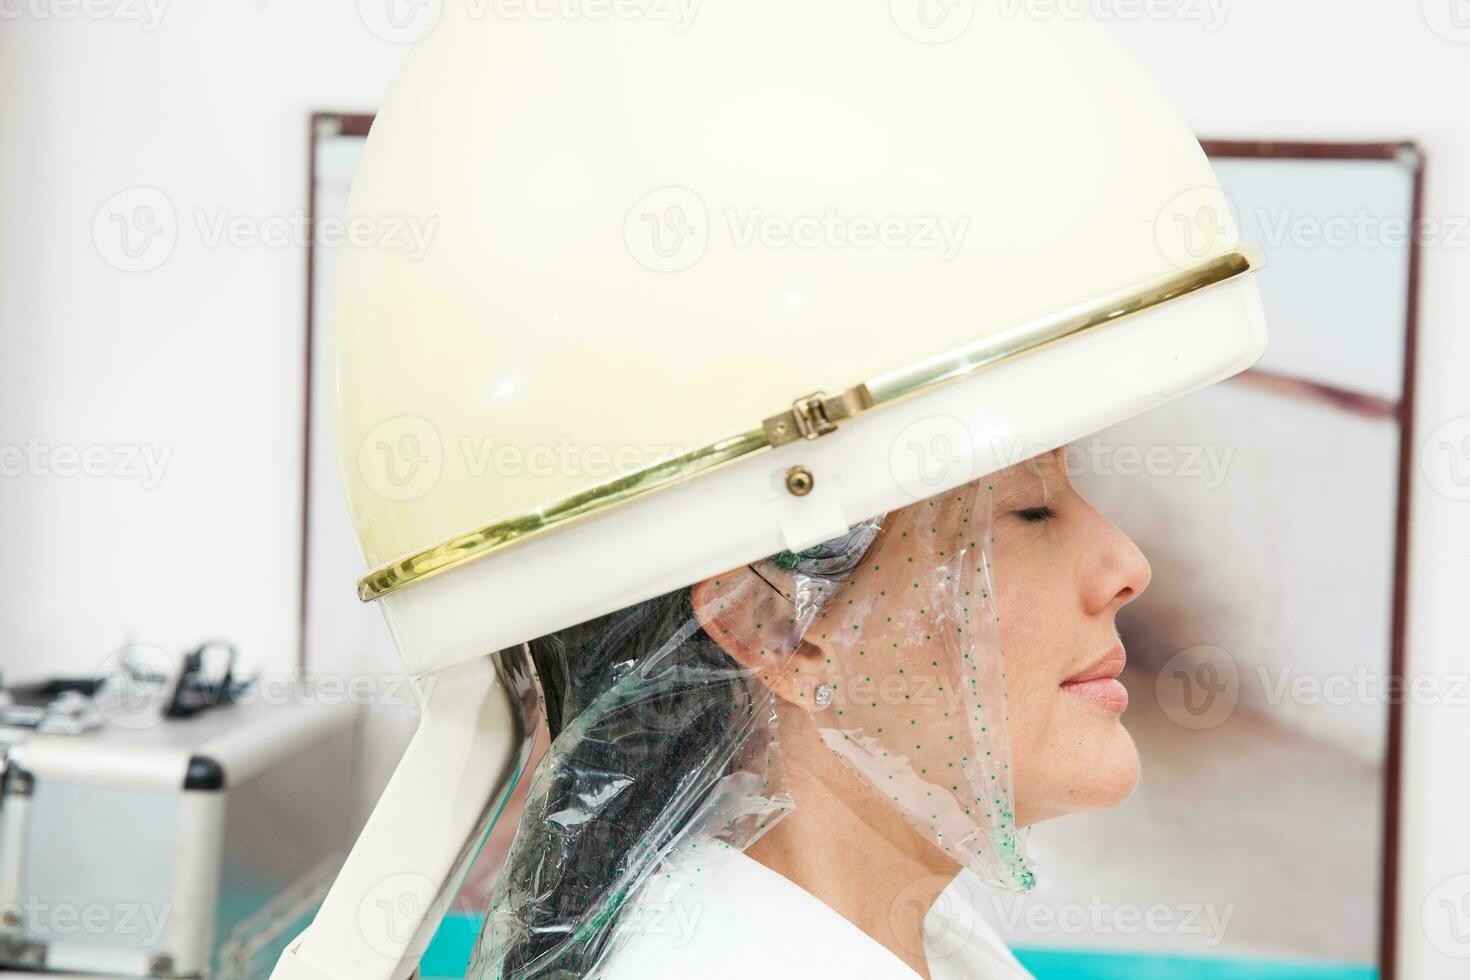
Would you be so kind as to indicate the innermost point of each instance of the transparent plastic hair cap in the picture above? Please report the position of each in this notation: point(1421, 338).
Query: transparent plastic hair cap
point(670, 755)
point(653, 241)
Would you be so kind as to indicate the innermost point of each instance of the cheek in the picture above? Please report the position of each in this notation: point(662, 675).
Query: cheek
point(1037, 657)
point(1034, 643)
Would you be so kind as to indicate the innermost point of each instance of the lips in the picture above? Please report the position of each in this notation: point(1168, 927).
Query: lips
point(1099, 683)
point(1107, 667)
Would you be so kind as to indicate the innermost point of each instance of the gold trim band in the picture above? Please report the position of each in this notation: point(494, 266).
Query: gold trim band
point(810, 417)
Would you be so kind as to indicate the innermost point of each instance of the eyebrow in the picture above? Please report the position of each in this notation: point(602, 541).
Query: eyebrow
point(1034, 467)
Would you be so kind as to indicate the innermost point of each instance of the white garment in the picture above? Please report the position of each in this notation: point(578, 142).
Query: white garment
point(725, 916)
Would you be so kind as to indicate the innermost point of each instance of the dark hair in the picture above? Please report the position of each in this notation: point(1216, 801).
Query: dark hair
point(676, 726)
point(671, 713)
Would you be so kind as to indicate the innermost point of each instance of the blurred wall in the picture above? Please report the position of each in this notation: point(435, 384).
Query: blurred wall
point(1315, 69)
point(183, 382)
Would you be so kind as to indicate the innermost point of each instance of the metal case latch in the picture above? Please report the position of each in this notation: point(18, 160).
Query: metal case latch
point(816, 415)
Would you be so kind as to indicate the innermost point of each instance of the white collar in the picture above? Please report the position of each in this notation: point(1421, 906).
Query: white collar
point(720, 915)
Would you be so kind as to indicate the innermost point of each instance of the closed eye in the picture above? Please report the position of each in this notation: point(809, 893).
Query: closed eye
point(1036, 515)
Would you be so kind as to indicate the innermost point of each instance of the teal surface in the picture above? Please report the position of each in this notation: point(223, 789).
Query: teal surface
point(449, 956)
point(1053, 964)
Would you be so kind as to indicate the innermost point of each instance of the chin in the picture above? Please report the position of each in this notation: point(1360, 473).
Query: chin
point(1093, 767)
point(1112, 769)
point(1118, 769)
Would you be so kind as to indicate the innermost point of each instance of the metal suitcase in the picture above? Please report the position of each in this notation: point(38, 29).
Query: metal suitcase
point(184, 848)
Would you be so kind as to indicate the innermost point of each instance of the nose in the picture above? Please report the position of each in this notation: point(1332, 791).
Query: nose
point(1118, 572)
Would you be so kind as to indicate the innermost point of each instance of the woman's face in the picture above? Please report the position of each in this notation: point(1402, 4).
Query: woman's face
point(1062, 573)
point(916, 621)
point(906, 652)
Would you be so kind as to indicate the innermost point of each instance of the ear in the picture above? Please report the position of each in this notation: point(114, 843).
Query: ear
point(755, 625)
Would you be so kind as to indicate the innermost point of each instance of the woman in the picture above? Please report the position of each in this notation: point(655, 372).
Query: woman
point(840, 716)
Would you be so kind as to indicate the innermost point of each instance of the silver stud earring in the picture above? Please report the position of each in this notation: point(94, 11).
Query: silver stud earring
point(824, 695)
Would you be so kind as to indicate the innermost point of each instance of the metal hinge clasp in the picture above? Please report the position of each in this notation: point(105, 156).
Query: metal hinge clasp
point(816, 415)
